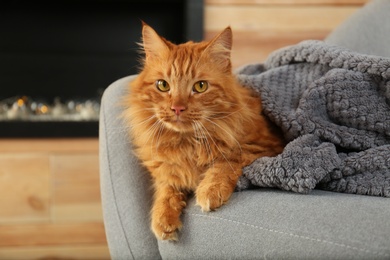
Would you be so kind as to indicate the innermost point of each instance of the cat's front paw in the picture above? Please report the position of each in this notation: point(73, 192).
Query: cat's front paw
point(210, 196)
point(165, 227)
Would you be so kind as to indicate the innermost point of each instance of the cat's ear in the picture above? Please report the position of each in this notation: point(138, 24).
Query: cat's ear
point(152, 43)
point(220, 47)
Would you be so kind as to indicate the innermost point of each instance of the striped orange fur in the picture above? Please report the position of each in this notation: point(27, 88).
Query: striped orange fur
point(194, 127)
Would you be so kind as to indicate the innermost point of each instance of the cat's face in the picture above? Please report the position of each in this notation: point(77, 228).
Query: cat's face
point(186, 86)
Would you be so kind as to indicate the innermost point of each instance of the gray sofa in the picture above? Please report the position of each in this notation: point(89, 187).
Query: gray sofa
point(255, 224)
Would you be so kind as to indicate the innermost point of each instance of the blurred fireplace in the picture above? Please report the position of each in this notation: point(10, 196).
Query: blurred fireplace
point(57, 57)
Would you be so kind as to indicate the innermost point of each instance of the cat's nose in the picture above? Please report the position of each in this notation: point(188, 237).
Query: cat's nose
point(178, 109)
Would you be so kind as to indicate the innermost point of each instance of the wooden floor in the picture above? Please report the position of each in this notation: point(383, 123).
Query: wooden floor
point(50, 205)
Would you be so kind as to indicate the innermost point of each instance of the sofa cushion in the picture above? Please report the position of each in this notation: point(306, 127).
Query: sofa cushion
point(276, 224)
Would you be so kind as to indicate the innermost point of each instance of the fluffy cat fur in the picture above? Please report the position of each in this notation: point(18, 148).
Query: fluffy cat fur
point(194, 127)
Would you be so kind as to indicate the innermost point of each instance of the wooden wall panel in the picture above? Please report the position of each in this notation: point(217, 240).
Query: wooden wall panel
point(45, 145)
point(25, 188)
point(76, 187)
point(286, 2)
point(260, 27)
point(52, 234)
point(50, 202)
point(274, 19)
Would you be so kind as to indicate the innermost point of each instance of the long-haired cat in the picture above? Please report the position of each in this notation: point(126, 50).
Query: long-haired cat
point(194, 127)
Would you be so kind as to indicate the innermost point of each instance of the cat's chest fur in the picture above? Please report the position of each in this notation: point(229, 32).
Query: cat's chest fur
point(186, 159)
point(195, 153)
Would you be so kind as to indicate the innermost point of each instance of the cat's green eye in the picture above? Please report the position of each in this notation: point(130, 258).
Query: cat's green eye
point(200, 86)
point(162, 85)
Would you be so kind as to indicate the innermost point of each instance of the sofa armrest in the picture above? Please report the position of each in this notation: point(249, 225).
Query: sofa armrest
point(125, 186)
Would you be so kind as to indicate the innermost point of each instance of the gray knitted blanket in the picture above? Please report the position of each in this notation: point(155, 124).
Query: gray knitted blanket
point(333, 106)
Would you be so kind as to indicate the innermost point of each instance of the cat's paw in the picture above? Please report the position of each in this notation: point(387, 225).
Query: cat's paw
point(166, 226)
point(210, 196)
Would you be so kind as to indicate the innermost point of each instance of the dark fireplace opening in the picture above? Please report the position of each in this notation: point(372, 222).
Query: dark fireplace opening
point(56, 58)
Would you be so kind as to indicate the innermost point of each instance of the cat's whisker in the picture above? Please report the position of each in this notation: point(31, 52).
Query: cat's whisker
point(203, 140)
point(224, 102)
point(216, 115)
point(227, 132)
point(143, 121)
point(216, 146)
point(207, 146)
point(152, 132)
point(133, 113)
point(159, 134)
point(128, 114)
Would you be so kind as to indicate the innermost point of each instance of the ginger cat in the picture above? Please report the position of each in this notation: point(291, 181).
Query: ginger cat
point(194, 127)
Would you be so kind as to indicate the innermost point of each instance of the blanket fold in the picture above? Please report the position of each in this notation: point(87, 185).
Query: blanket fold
point(333, 106)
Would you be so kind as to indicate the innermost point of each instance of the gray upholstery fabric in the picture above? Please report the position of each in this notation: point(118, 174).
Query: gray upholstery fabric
point(125, 186)
point(270, 224)
point(255, 224)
